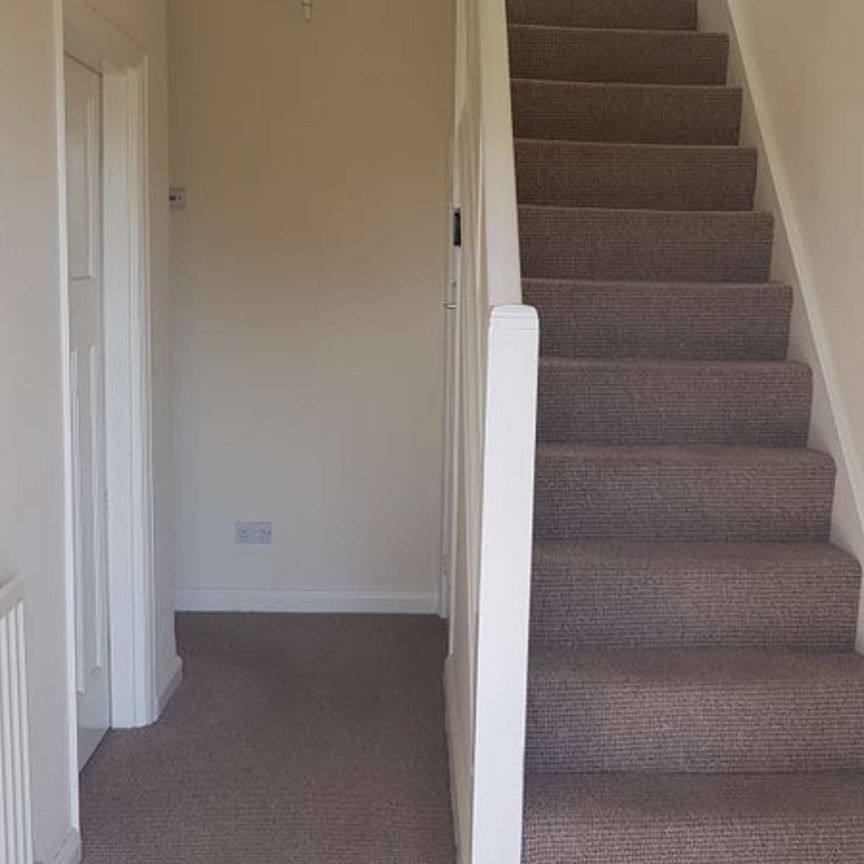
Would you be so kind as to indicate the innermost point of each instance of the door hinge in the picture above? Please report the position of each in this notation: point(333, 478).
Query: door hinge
point(457, 227)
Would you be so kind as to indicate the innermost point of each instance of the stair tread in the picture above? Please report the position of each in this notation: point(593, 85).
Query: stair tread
point(634, 176)
point(634, 401)
point(657, 245)
point(707, 555)
point(731, 216)
point(763, 669)
point(670, 366)
point(621, 111)
point(599, 31)
point(694, 709)
point(661, 320)
point(678, 14)
point(607, 55)
point(638, 285)
point(608, 595)
point(681, 492)
point(685, 455)
point(575, 148)
point(700, 90)
point(779, 818)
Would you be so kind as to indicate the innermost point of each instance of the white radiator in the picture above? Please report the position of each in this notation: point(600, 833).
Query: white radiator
point(15, 832)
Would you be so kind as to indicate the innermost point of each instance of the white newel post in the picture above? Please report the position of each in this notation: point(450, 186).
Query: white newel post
point(505, 585)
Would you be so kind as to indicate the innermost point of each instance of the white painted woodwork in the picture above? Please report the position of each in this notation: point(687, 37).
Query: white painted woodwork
point(16, 839)
point(505, 585)
point(141, 669)
point(36, 536)
point(311, 600)
point(491, 408)
point(84, 219)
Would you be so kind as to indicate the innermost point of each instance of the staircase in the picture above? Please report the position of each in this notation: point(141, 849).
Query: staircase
point(694, 695)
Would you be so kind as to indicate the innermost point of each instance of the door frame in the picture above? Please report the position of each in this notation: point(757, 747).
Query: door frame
point(96, 42)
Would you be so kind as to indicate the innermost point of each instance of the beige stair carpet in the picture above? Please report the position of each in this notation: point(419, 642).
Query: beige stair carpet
point(694, 695)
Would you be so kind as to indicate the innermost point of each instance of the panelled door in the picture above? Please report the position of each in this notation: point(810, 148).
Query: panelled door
point(84, 206)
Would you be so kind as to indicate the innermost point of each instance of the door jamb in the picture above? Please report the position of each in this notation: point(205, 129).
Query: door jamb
point(95, 41)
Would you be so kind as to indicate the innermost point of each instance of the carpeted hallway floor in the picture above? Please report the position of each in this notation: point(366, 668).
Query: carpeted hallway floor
point(294, 738)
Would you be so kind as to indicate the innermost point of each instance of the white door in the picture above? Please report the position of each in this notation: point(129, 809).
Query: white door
point(84, 191)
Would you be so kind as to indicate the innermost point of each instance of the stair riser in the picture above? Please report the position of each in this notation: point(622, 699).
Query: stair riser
point(582, 499)
point(720, 403)
point(691, 819)
point(633, 114)
point(628, 605)
point(647, 245)
point(556, 54)
point(686, 729)
point(681, 322)
point(623, 176)
point(639, 14)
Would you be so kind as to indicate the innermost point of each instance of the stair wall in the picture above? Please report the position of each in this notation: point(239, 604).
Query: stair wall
point(831, 427)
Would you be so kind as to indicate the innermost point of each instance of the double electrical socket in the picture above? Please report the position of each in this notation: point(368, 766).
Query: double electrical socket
point(255, 533)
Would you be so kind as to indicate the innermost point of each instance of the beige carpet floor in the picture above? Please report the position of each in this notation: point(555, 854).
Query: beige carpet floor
point(293, 738)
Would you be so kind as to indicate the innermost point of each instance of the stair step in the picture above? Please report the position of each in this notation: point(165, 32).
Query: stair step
point(694, 819)
point(695, 710)
point(634, 113)
point(682, 493)
point(658, 177)
point(650, 14)
point(622, 56)
point(674, 402)
point(582, 243)
point(681, 321)
point(617, 594)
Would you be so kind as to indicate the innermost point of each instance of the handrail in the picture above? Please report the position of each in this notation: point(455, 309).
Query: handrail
point(500, 223)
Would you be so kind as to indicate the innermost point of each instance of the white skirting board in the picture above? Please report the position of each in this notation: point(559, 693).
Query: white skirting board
point(68, 852)
point(300, 600)
point(170, 679)
point(460, 769)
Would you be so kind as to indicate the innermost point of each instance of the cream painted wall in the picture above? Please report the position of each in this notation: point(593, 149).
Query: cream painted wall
point(31, 413)
point(810, 61)
point(802, 69)
point(31, 424)
point(308, 274)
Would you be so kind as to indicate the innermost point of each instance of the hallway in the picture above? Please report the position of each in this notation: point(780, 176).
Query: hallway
point(293, 738)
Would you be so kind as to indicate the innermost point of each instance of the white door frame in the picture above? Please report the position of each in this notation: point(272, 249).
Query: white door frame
point(96, 42)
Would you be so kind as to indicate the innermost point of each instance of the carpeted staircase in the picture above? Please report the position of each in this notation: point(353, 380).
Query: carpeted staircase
point(694, 695)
